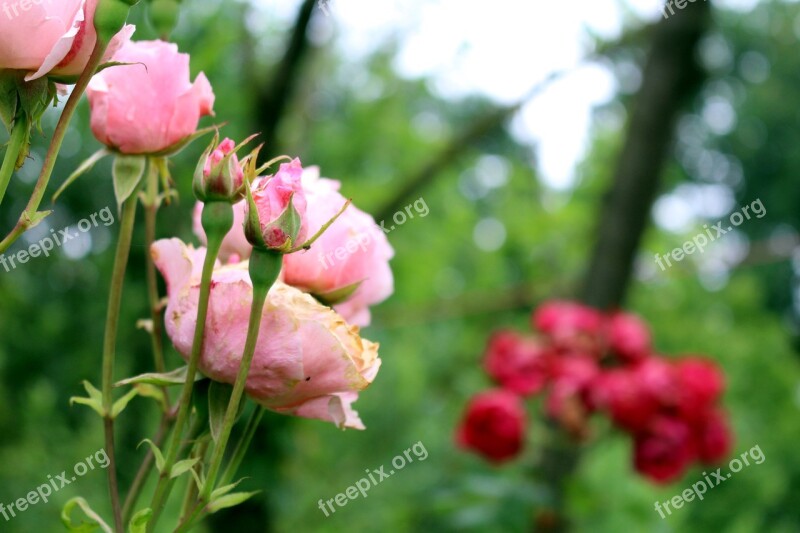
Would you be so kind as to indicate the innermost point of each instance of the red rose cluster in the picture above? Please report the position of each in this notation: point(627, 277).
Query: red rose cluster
point(587, 362)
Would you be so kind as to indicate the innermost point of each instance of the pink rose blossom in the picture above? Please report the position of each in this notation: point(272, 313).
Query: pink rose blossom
point(272, 196)
point(353, 250)
point(308, 362)
point(53, 37)
point(151, 104)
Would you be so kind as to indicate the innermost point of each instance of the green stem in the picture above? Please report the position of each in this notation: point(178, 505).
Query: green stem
point(144, 470)
point(265, 265)
point(217, 221)
point(109, 347)
point(191, 486)
point(19, 136)
point(28, 217)
point(151, 205)
point(244, 443)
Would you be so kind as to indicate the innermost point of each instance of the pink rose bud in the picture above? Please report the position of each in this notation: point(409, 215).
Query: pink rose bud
point(275, 216)
point(348, 266)
point(308, 362)
point(53, 37)
point(493, 426)
point(150, 106)
point(517, 363)
point(219, 174)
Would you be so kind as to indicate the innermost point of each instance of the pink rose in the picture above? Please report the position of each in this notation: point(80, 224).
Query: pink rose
point(352, 251)
point(150, 105)
point(274, 196)
point(493, 425)
point(308, 362)
point(519, 364)
point(53, 37)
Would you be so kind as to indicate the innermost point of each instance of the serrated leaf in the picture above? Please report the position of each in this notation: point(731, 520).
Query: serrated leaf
point(95, 399)
point(175, 377)
point(219, 395)
point(230, 500)
point(156, 453)
point(86, 526)
point(181, 467)
point(82, 169)
point(222, 491)
point(146, 390)
point(139, 521)
point(123, 402)
point(127, 173)
point(8, 100)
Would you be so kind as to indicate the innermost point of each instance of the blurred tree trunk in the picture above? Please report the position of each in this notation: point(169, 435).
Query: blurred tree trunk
point(273, 101)
point(671, 78)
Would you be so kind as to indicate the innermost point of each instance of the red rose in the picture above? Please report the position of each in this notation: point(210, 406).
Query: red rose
point(517, 363)
point(628, 337)
point(569, 325)
point(493, 426)
point(700, 384)
point(664, 451)
point(713, 437)
point(624, 397)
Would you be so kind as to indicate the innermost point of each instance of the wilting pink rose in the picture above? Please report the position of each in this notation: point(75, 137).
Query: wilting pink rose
point(519, 364)
point(665, 450)
point(151, 104)
point(493, 425)
point(273, 196)
point(308, 361)
point(353, 250)
point(51, 37)
point(628, 337)
point(569, 325)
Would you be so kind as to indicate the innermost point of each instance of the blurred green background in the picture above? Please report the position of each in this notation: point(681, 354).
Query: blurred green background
point(498, 240)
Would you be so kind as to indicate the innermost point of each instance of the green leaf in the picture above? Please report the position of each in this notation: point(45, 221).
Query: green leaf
point(123, 402)
point(176, 377)
point(138, 523)
point(94, 400)
point(127, 172)
point(230, 500)
point(181, 467)
point(146, 390)
point(156, 453)
point(86, 526)
point(222, 491)
point(219, 395)
point(82, 169)
point(339, 295)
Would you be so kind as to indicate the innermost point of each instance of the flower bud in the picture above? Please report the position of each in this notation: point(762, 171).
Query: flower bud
point(275, 217)
point(110, 17)
point(219, 175)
